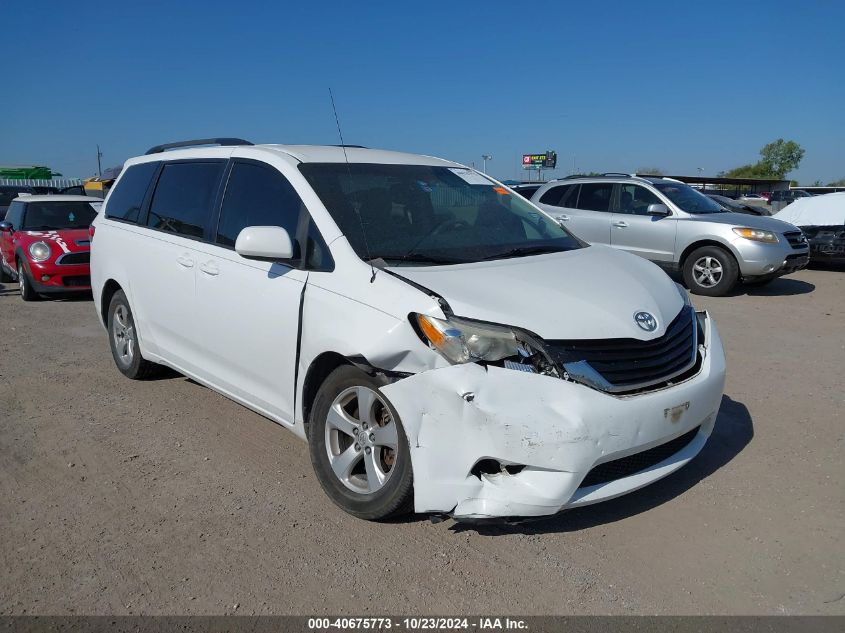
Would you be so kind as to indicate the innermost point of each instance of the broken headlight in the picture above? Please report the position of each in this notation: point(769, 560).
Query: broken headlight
point(463, 341)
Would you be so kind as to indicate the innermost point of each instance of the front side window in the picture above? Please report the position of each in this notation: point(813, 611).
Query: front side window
point(183, 198)
point(595, 196)
point(422, 214)
point(258, 196)
point(128, 196)
point(55, 216)
point(634, 199)
point(688, 199)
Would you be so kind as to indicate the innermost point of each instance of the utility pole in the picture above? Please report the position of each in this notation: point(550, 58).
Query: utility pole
point(99, 167)
point(485, 158)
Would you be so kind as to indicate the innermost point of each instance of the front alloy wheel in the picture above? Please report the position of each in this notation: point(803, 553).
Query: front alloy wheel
point(710, 271)
point(27, 291)
point(361, 440)
point(707, 271)
point(358, 447)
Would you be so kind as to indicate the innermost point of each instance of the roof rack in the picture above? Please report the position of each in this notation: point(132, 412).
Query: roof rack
point(200, 141)
point(352, 146)
point(617, 173)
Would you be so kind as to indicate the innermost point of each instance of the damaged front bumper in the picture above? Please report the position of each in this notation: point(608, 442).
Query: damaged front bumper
point(547, 434)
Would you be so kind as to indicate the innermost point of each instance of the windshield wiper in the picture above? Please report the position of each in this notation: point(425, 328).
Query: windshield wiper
point(419, 257)
point(519, 251)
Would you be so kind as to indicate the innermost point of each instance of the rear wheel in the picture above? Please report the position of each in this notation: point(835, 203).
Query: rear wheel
point(358, 447)
point(25, 283)
point(710, 271)
point(123, 339)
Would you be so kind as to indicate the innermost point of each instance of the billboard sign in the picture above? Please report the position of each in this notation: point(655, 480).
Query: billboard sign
point(546, 160)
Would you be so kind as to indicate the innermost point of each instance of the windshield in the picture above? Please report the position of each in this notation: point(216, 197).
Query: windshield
point(52, 216)
point(688, 199)
point(432, 215)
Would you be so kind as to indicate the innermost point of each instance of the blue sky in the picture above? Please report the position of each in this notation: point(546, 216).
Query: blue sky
point(610, 86)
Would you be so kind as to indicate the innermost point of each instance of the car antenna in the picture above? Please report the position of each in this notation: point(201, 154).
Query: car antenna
point(349, 171)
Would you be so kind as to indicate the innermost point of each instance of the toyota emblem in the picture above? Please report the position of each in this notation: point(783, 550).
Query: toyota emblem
point(646, 321)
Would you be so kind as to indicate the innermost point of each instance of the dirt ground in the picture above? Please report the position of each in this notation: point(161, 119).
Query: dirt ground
point(162, 497)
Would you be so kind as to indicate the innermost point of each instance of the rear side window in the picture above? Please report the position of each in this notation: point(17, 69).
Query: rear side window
point(595, 196)
point(258, 196)
point(128, 196)
point(183, 198)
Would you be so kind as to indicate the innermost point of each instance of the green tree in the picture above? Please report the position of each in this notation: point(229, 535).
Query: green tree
point(837, 183)
point(747, 171)
point(777, 159)
point(781, 157)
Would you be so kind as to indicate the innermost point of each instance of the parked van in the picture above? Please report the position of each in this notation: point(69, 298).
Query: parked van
point(442, 344)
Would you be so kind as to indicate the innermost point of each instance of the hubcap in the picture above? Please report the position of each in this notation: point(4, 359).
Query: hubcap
point(361, 440)
point(707, 271)
point(124, 335)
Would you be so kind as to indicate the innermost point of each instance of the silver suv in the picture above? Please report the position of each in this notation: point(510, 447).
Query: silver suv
point(677, 227)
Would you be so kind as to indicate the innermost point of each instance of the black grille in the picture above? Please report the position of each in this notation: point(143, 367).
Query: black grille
point(76, 281)
point(628, 363)
point(74, 258)
point(638, 462)
point(796, 239)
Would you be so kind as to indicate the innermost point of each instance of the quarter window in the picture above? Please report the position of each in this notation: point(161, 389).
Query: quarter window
point(258, 196)
point(595, 196)
point(183, 198)
point(634, 200)
point(128, 196)
point(556, 195)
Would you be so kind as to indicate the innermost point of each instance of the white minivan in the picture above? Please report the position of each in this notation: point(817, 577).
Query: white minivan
point(442, 344)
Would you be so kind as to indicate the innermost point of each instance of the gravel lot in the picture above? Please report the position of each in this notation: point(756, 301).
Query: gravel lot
point(119, 497)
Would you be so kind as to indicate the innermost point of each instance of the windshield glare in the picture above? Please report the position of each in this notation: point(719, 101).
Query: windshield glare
point(432, 215)
point(688, 199)
point(53, 216)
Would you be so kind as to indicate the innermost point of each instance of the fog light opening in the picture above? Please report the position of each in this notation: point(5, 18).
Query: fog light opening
point(489, 466)
point(45, 277)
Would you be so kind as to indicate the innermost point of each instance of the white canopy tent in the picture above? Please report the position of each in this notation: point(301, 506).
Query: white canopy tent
point(826, 210)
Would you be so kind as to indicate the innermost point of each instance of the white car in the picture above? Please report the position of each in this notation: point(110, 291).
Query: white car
point(444, 345)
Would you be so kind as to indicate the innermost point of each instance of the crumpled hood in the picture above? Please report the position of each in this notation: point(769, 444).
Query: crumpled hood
point(585, 293)
point(763, 222)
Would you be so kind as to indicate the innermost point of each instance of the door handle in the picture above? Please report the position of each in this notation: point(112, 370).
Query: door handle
point(185, 261)
point(621, 224)
point(210, 268)
point(563, 218)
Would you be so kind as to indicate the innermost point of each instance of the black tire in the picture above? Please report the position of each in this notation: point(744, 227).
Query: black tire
point(715, 267)
point(120, 318)
point(25, 283)
point(4, 276)
point(395, 496)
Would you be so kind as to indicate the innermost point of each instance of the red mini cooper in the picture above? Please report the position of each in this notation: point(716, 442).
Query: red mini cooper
point(44, 244)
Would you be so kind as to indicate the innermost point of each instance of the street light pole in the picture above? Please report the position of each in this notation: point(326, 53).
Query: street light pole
point(485, 158)
point(99, 167)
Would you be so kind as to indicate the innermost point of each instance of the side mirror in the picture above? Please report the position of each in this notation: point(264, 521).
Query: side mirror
point(6, 226)
point(264, 242)
point(657, 209)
